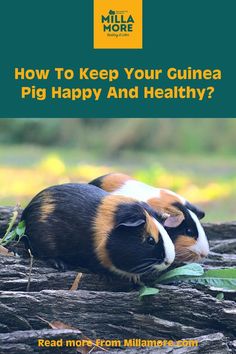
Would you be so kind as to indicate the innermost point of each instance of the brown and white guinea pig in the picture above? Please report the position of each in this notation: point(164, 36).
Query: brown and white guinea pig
point(181, 217)
point(82, 225)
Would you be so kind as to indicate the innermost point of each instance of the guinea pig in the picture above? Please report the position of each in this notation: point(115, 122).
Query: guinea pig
point(181, 217)
point(81, 225)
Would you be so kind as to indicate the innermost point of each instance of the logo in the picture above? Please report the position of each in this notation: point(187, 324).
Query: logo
point(118, 26)
point(117, 22)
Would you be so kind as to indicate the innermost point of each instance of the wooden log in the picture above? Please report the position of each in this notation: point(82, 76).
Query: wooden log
point(220, 260)
point(103, 309)
point(22, 342)
point(15, 272)
point(224, 246)
point(220, 231)
point(97, 312)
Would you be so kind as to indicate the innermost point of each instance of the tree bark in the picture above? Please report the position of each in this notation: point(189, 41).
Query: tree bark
point(112, 309)
point(22, 342)
point(98, 311)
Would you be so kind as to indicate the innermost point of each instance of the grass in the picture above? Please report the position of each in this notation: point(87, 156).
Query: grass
point(209, 181)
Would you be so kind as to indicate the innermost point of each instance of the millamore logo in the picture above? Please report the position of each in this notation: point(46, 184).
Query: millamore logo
point(117, 21)
point(118, 24)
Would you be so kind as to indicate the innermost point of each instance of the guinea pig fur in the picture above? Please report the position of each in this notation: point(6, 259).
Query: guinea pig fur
point(182, 218)
point(83, 226)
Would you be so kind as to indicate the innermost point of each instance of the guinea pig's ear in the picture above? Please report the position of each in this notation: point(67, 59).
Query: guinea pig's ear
point(174, 220)
point(131, 223)
point(200, 213)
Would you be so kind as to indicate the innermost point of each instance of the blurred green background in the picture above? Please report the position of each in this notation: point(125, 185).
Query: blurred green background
point(194, 157)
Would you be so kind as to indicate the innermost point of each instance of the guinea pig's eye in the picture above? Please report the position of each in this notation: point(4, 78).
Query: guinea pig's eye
point(189, 232)
point(151, 241)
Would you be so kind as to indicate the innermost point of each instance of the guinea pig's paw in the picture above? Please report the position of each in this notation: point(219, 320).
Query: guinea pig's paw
point(58, 264)
point(108, 278)
point(137, 285)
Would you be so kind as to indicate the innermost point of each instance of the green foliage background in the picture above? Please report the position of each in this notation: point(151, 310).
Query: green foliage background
point(115, 135)
point(194, 157)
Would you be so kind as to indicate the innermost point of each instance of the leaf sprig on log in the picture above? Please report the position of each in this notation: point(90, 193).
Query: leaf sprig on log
point(221, 279)
point(13, 234)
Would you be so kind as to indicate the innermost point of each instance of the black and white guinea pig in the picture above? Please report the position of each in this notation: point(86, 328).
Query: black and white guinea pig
point(82, 225)
point(181, 217)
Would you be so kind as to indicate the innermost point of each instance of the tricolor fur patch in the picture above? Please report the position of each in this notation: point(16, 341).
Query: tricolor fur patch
point(103, 225)
point(47, 207)
point(151, 228)
point(182, 245)
point(105, 222)
point(114, 181)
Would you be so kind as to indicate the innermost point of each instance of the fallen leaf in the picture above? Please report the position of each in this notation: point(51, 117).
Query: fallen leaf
point(4, 252)
point(61, 325)
point(83, 350)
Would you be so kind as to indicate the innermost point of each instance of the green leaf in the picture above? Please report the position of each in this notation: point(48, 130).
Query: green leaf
point(8, 238)
point(219, 278)
point(20, 229)
point(220, 283)
point(192, 269)
point(221, 273)
point(146, 291)
point(10, 234)
point(220, 296)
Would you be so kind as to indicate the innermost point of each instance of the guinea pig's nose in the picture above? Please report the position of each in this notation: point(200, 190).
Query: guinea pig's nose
point(167, 263)
point(203, 254)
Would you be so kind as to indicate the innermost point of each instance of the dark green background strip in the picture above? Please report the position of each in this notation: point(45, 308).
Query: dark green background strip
point(48, 34)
